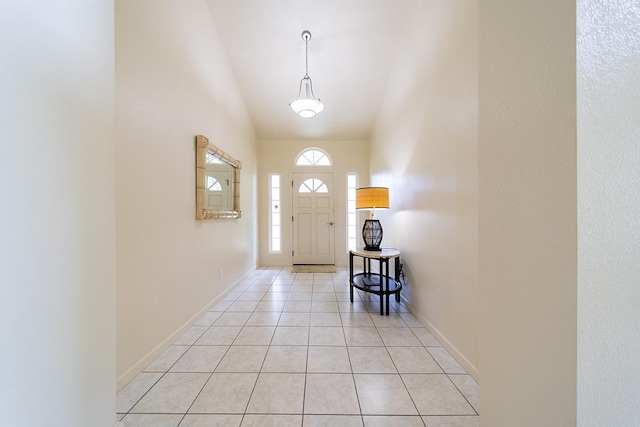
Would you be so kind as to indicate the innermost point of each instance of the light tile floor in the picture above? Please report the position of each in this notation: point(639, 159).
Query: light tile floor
point(286, 349)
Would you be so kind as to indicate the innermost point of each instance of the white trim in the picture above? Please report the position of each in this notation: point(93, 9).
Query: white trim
point(131, 373)
point(452, 349)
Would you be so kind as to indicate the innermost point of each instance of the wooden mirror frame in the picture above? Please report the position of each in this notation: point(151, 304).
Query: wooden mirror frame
point(202, 147)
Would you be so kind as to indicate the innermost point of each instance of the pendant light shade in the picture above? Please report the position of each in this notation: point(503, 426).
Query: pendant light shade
point(306, 104)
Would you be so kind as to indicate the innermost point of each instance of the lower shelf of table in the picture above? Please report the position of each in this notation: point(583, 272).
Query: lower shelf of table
point(371, 283)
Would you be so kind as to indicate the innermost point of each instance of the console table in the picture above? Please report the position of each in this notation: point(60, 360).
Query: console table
point(380, 283)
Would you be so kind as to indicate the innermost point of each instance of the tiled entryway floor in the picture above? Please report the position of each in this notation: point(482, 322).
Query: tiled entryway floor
point(288, 349)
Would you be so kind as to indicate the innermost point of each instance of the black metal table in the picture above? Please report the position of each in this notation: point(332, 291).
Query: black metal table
point(380, 283)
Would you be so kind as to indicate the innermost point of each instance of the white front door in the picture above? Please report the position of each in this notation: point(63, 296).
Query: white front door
point(219, 187)
point(313, 218)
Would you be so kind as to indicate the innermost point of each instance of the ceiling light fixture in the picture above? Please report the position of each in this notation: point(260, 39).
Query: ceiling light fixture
point(306, 105)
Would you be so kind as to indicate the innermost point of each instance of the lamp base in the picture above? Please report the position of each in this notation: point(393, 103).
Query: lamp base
point(372, 235)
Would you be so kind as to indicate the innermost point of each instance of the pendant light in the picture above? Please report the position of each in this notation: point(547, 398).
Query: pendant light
point(306, 105)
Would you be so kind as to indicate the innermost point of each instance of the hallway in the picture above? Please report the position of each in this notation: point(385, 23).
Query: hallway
point(286, 349)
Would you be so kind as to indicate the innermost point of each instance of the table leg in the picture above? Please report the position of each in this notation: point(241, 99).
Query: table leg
point(381, 288)
point(351, 277)
point(397, 266)
point(387, 279)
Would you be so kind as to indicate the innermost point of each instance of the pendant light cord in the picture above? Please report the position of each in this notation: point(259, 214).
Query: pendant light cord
point(306, 57)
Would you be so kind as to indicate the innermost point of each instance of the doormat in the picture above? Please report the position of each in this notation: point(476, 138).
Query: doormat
point(300, 268)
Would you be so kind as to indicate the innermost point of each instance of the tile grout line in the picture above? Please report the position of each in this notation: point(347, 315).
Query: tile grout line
point(306, 366)
point(257, 285)
point(255, 384)
point(353, 376)
point(463, 395)
point(214, 369)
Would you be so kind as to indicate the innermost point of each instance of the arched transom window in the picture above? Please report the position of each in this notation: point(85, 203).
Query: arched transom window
point(213, 184)
point(313, 157)
point(313, 185)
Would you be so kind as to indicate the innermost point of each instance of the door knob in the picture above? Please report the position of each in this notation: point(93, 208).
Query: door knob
point(330, 223)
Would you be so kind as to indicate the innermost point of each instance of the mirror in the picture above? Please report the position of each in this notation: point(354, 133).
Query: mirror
point(217, 182)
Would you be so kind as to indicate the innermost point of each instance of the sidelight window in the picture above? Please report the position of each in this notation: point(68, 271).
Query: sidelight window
point(275, 226)
point(352, 183)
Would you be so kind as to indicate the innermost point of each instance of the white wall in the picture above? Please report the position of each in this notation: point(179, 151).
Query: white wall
point(527, 213)
point(425, 150)
point(279, 157)
point(57, 220)
point(608, 213)
point(173, 82)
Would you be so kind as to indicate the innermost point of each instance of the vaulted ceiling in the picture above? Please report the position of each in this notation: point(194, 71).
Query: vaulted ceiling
point(352, 55)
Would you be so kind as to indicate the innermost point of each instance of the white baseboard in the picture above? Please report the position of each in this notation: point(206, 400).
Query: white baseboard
point(452, 349)
point(131, 373)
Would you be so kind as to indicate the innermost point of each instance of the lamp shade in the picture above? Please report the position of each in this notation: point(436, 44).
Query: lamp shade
point(372, 198)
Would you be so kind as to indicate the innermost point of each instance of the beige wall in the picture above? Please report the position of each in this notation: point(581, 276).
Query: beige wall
point(173, 82)
point(482, 174)
point(279, 157)
point(608, 212)
point(57, 220)
point(527, 213)
point(425, 150)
